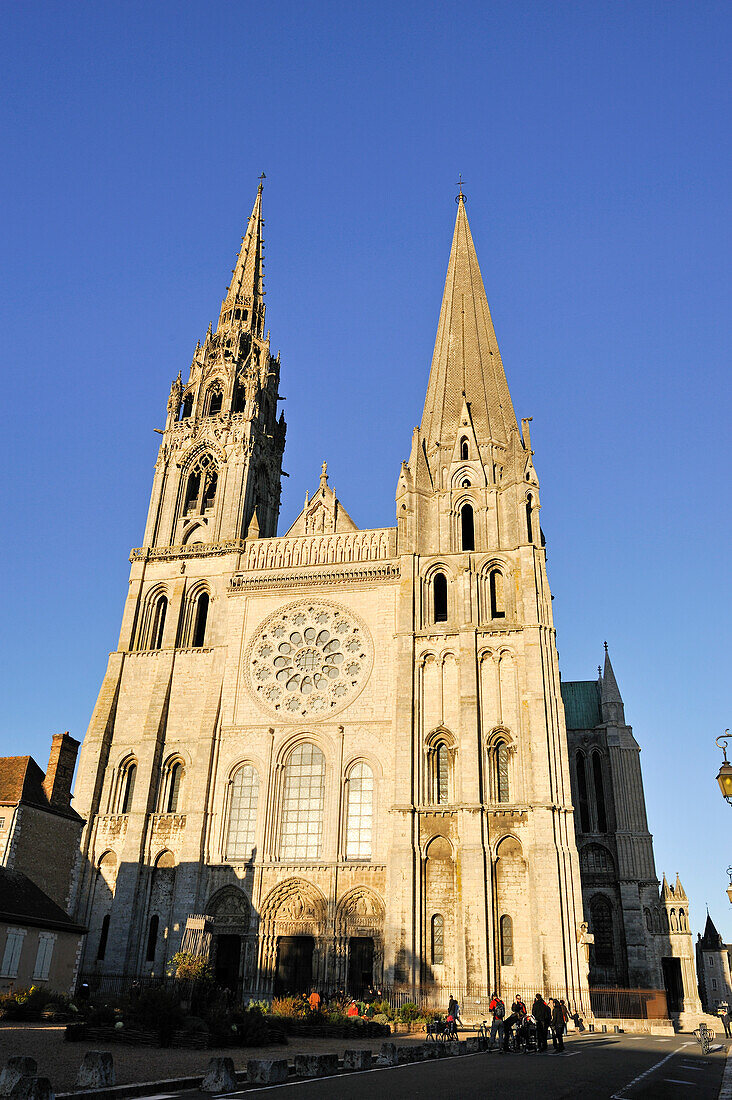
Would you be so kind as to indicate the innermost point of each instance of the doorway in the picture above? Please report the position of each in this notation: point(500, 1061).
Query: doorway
point(674, 984)
point(360, 964)
point(228, 957)
point(294, 964)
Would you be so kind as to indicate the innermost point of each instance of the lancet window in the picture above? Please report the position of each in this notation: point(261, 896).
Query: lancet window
point(439, 598)
point(360, 811)
point(438, 939)
point(127, 787)
point(506, 933)
point(499, 761)
point(243, 801)
point(303, 803)
point(601, 923)
point(467, 528)
point(201, 486)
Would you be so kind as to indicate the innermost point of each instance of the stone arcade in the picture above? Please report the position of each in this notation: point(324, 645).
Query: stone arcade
point(348, 747)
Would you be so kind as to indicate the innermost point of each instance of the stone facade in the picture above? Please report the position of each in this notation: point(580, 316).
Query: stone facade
point(347, 747)
point(714, 967)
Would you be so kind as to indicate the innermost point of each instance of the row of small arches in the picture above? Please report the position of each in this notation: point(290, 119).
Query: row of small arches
point(192, 626)
point(494, 596)
point(662, 920)
point(441, 751)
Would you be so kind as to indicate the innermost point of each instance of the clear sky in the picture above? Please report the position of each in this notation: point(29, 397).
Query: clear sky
point(594, 139)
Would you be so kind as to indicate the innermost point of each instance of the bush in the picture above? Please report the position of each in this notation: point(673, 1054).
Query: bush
point(383, 1008)
point(190, 968)
point(289, 1006)
point(26, 1004)
point(380, 1018)
point(409, 1012)
point(155, 1009)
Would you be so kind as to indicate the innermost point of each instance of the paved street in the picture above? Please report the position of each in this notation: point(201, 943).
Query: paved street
point(612, 1067)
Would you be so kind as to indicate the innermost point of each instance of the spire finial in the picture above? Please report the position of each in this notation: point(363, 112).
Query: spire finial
point(324, 475)
point(605, 644)
point(262, 178)
point(460, 197)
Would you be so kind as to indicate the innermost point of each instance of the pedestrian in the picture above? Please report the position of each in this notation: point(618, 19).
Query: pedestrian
point(517, 1019)
point(565, 1015)
point(558, 1027)
point(497, 1010)
point(542, 1014)
point(314, 1001)
point(726, 1019)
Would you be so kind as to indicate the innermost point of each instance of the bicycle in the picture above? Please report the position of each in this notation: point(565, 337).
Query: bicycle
point(704, 1036)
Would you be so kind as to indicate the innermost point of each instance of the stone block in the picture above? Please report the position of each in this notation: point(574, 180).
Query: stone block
point(267, 1071)
point(388, 1054)
point(219, 1076)
point(315, 1065)
point(15, 1068)
point(431, 1050)
point(96, 1071)
point(474, 1045)
point(30, 1087)
point(357, 1059)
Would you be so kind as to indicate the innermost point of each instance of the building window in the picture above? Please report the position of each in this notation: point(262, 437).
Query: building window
point(242, 813)
point(601, 918)
point(209, 495)
point(102, 948)
point(438, 940)
point(500, 772)
point(193, 488)
point(152, 938)
point(467, 527)
point(158, 626)
point(584, 804)
point(599, 793)
point(464, 448)
point(439, 598)
point(498, 603)
point(303, 804)
point(506, 929)
point(360, 812)
point(714, 983)
point(442, 774)
point(529, 524)
point(175, 776)
point(44, 954)
point(128, 788)
point(186, 407)
point(199, 622)
point(11, 955)
point(215, 399)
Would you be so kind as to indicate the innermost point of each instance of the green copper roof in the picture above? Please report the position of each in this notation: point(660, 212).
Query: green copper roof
point(581, 704)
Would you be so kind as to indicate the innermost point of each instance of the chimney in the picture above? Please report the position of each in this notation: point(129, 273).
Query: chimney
point(60, 770)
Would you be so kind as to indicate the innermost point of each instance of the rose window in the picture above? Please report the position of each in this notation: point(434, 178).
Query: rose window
point(310, 659)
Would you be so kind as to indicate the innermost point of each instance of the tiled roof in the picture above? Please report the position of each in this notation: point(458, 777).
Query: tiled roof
point(21, 780)
point(581, 704)
point(22, 902)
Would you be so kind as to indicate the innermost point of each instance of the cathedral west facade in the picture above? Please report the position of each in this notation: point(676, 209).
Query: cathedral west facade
point(348, 747)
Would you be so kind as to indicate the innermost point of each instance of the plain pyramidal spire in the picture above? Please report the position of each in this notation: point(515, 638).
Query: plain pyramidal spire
point(610, 689)
point(246, 289)
point(466, 364)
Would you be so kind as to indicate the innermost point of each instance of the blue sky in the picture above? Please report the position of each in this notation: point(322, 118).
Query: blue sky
point(594, 141)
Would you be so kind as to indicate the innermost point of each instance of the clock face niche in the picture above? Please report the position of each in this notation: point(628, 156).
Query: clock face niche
point(309, 659)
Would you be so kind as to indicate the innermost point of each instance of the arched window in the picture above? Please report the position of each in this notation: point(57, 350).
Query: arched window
point(498, 604)
point(240, 398)
point(442, 774)
point(186, 407)
point(158, 622)
point(209, 495)
point(500, 772)
point(506, 930)
point(199, 621)
point(152, 938)
point(360, 812)
point(439, 598)
point(102, 948)
point(242, 813)
point(599, 793)
point(584, 805)
point(438, 940)
point(127, 788)
point(193, 488)
point(601, 921)
point(175, 775)
point(215, 400)
point(464, 448)
point(529, 523)
point(467, 528)
point(303, 802)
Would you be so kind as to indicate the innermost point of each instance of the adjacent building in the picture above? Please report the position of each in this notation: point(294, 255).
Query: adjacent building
point(713, 963)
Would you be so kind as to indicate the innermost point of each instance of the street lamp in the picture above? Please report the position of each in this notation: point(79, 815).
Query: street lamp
point(724, 777)
point(729, 888)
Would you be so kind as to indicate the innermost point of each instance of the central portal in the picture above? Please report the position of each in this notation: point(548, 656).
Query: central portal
point(228, 957)
point(360, 964)
point(294, 964)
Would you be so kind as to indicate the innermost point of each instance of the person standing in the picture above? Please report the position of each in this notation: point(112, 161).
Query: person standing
point(314, 1001)
point(497, 1010)
point(558, 1027)
point(517, 1018)
point(541, 1013)
point(726, 1018)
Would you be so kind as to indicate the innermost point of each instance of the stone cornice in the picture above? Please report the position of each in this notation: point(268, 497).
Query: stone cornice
point(195, 550)
point(364, 573)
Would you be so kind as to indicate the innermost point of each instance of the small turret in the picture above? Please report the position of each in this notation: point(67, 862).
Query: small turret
point(611, 701)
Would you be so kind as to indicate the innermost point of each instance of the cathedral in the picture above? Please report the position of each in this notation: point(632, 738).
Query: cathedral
point(345, 751)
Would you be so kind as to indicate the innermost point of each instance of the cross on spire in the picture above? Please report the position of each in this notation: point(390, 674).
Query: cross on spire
point(459, 184)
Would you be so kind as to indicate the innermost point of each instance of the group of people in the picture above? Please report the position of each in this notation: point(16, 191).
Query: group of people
point(363, 1007)
point(520, 1023)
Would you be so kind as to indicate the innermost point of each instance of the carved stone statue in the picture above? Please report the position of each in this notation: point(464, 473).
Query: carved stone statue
point(174, 401)
point(585, 938)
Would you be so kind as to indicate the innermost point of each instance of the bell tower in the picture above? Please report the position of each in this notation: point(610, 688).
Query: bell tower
point(218, 474)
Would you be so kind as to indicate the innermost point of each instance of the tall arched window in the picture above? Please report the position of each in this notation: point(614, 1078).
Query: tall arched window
point(209, 495)
point(599, 793)
point(193, 488)
point(584, 805)
point(186, 407)
point(102, 948)
point(464, 448)
point(175, 776)
point(215, 400)
point(506, 931)
point(242, 813)
point(360, 812)
point(438, 940)
point(199, 621)
point(442, 774)
point(498, 603)
point(303, 801)
point(467, 528)
point(529, 522)
point(601, 922)
point(500, 772)
point(127, 788)
point(439, 598)
point(152, 938)
point(158, 623)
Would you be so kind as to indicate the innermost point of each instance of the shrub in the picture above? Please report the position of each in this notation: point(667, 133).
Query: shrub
point(25, 1004)
point(289, 1006)
point(383, 1008)
point(409, 1012)
point(155, 1009)
point(380, 1018)
point(191, 968)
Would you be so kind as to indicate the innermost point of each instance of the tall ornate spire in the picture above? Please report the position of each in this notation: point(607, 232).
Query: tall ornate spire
point(246, 291)
point(466, 364)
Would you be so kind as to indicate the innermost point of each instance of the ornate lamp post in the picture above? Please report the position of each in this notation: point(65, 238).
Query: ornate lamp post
point(724, 777)
point(729, 888)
